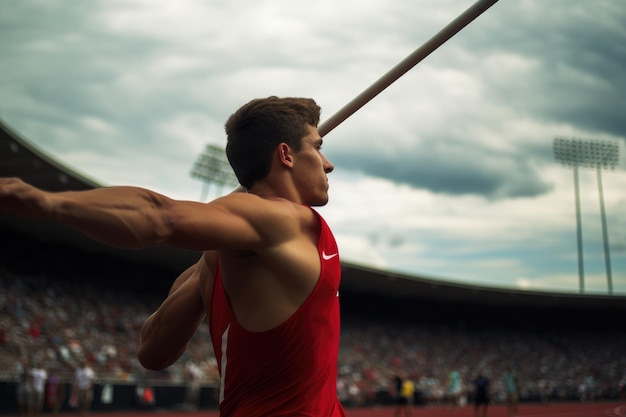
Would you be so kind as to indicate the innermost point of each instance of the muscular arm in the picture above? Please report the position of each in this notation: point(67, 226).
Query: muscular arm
point(133, 217)
point(182, 278)
point(166, 333)
point(119, 216)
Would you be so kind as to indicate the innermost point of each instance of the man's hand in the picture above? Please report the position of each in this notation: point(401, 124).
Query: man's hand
point(18, 197)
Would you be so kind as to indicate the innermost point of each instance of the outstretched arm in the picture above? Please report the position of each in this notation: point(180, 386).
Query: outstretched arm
point(119, 216)
point(167, 332)
point(133, 217)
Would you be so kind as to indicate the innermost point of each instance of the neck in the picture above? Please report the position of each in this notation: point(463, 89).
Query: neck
point(269, 190)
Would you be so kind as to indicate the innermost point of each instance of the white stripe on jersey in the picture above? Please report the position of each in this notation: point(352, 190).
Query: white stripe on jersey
point(223, 373)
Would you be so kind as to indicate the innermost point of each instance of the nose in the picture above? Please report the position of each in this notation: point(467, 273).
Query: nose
point(328, 166)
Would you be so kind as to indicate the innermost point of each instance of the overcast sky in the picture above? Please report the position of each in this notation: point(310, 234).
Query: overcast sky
point(448, 174)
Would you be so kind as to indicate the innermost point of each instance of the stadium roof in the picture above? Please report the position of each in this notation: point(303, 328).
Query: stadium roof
point(20, 159)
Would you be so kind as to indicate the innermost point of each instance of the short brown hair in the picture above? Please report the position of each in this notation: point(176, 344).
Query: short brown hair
point(255, 130)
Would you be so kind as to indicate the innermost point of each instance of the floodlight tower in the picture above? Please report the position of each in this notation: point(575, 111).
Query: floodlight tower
point(212, 167)
point(589, 153)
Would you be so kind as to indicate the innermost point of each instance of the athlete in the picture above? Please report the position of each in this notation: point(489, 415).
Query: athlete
point(455, 389)
point(404, 401)
point(510, 384)
point(82, 387)
point(38, 375)
point(269, 276)
point(481, 396)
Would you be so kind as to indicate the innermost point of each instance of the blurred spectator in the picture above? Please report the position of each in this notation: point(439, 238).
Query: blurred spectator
point(55, 391)
point(82, 387)
point(38, 380)
point(481, 395)
point(193, 375)
point(510, 383)
point(455, 389)
point(404, 395)
point(23, 387)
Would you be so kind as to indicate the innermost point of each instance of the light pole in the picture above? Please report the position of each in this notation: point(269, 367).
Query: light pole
point(212, 167)
point(589, 153)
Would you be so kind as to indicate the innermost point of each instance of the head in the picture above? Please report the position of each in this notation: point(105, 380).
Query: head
point(255, 131)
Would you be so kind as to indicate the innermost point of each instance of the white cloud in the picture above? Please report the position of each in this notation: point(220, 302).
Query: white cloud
point(449, 172)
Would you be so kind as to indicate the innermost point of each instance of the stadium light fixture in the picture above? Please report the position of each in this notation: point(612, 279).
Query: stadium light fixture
point(589, 154)
point(212, 167)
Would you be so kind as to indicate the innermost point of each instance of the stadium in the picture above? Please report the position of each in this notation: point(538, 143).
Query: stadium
point(565, 348)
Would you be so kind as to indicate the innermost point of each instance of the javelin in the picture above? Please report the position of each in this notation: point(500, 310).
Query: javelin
point(406, 64)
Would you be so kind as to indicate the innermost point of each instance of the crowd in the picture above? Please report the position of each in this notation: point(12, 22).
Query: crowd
point(585, 364)
point(59, 323)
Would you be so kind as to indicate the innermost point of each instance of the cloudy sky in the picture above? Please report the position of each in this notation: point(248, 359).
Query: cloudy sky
point(448, 174)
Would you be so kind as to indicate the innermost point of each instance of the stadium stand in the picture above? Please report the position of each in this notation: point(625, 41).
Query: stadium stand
point(568, 346)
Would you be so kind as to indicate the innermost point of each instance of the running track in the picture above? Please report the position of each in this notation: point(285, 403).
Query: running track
point(600, 409)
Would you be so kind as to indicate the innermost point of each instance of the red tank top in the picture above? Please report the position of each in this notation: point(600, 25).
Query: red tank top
point(290, 370)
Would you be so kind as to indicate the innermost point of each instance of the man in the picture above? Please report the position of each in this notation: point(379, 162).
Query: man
point(193, 374)
point(510, 384)
point(455, 389)
point(481, 398)
point(82, 386)
point(269, 277)
point(404, 400)
point(38, 375)
point(55, 391)
point(24, 386)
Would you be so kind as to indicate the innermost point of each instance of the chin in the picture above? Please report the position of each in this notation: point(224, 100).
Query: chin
point(322, 202)
point(318, 201)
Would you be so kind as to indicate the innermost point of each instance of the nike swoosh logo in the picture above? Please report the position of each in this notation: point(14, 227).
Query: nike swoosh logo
point(328, 257)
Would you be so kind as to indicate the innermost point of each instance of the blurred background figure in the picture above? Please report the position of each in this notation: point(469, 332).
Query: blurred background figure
point(82, 388)
point(455, 390)
point(55, 392)
point(395, 390)
point(193, 375)
point(23, 387)
point(621, 388)
point(512, 393)
point(544, 390)
point(38, 380)
point(406, 392)
point(481, 395)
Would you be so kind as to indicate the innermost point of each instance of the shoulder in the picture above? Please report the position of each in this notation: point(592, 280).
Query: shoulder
point(252, 202)
point(266, 211)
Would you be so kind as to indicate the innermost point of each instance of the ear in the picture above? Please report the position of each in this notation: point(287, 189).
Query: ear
point(284, 154)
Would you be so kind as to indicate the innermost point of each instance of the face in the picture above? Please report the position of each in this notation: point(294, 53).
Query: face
point(310, 169)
